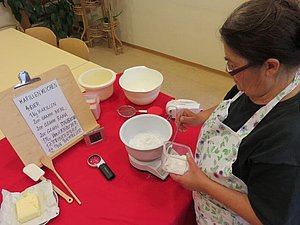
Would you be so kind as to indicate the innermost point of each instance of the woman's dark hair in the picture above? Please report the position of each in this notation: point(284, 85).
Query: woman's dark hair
point(262, 29)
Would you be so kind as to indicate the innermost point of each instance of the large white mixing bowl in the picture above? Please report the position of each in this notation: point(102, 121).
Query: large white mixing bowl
point(141, 124)
point(98, 81)
point(141, 85)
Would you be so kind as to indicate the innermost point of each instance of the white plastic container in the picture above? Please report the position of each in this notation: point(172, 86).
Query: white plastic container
point(98, 81)
point(174, 158)
point(94, 102)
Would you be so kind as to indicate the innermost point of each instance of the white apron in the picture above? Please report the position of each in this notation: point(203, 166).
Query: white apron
point(217, 150)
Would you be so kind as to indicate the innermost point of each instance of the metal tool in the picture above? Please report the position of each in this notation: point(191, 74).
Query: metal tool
point(25, 79)
point(177, 126)
point(96, 161)
point(176, 132)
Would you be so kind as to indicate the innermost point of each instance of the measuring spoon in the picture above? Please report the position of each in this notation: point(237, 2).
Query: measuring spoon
point(179, 114)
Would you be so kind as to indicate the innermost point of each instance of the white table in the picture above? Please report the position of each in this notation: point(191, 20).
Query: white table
point(20, 51)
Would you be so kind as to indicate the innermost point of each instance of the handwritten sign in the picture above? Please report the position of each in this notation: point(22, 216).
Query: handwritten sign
point(49, 116)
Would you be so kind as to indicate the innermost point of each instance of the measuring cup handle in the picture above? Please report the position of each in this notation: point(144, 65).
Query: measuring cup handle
point(106, 171)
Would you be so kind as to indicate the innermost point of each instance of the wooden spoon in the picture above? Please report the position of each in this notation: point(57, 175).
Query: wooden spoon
point(47, 162)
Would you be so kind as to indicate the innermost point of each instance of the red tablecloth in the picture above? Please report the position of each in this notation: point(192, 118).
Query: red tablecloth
point(132, 198)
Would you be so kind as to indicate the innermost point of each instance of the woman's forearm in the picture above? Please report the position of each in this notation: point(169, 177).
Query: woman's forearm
point(205, 114)
point(234, 200)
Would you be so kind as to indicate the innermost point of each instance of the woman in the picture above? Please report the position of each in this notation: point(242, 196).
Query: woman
point(247, 161)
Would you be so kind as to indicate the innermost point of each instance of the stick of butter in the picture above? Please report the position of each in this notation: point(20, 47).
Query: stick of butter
point(28, 208)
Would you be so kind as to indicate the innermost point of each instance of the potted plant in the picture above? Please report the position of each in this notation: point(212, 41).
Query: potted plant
point(58, 15)
point(61, 17)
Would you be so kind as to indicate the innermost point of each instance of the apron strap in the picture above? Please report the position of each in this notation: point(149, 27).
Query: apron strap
point(237, 96)
point(263, 111)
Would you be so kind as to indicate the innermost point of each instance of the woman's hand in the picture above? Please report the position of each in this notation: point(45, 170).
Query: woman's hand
point(186, 118)
point(194, 179)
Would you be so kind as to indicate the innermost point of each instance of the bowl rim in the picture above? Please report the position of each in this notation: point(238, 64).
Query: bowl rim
point(123, 76)
point(145, 115)
point(93, 87)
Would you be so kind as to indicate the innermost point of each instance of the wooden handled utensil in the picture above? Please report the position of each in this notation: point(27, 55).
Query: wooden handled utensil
point(47, 162)
point(36, 173)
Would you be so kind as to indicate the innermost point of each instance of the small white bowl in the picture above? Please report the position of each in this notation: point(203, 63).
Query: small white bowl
point(141, 85)
point(99, 81)
point(174, 157)
point(145, 124)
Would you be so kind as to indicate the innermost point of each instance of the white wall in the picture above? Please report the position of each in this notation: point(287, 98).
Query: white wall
point(186, 29)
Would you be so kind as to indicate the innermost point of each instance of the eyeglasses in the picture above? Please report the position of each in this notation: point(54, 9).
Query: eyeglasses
point(233, 72)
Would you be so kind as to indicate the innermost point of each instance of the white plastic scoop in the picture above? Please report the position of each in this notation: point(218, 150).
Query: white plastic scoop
point(36, 173)
point(33, 171)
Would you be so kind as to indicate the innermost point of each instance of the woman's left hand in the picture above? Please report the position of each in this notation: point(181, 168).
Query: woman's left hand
point(194, 179)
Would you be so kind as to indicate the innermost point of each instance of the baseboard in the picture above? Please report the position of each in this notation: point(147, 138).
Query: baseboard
point(196, 65)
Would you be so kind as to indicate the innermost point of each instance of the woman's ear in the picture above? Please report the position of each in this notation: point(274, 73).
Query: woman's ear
point(272, 67)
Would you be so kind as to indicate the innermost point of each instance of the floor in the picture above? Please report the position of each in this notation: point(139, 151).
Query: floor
point(181, 80)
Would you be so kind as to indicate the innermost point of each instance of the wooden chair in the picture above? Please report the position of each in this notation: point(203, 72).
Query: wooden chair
point(75, 46)
point(43, 33)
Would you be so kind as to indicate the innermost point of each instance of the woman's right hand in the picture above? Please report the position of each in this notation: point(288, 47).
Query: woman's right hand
point(186, 118)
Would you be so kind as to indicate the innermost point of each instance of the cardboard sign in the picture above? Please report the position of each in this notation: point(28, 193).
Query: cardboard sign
point(49, 116)
point(46, 117)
